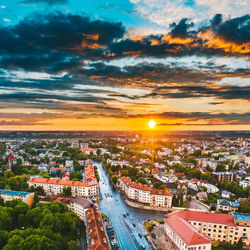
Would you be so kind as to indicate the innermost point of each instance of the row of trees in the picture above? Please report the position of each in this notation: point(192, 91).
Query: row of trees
point(46, 226)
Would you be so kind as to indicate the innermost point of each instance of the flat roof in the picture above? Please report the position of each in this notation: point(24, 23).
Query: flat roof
point(242, 217)
point(14, 193)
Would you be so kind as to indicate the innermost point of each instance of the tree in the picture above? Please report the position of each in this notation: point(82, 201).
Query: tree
point(73, 245)
point(3, 238)
point(67, 191)
point(239, 245)
point(220, 168)
point(114, 178)
point(37, 242)
point(245, 206)
point(142, 180)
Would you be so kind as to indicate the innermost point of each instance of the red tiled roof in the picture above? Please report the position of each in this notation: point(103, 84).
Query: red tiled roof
point(226, 219)
point(89, 177)
point(179, 174)
point(188, 233)
point(60, 182)
point(58, 169)
point(89, 149)
point(132, 184)
point(90, 173)
point(97, 236)
point(161, 192)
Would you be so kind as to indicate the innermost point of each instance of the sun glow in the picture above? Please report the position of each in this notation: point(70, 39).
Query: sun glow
point(151, 124)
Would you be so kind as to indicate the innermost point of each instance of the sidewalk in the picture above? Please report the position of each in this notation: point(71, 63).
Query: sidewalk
point(141, 206)
point(160, 241)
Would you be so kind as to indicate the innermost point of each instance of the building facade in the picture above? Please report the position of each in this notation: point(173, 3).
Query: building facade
point(80, 205)
point(224, 176)
point(185, 236)
point(9, 195)
point(219, 227)
point(145, 194)
point(87, 189)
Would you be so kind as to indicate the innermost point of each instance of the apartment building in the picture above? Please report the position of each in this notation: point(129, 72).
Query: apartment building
point(185, 236)
point(144, 194)
point(96, 234)
point(9, 195)
point(224, 176)
point(219, 227)
point(87, 189)
point(80, 205)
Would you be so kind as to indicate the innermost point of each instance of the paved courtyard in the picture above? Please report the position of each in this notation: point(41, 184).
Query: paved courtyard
point(160, 240)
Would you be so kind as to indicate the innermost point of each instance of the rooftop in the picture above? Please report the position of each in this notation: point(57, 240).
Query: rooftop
point(132, 184)
point(14, 193)
point(61, 182)
point(242, 217)
point(226, 219)
point(188, 233)
point(96, 232)
point(83, 202)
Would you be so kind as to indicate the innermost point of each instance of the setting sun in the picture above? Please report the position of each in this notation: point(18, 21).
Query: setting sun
point(151, 124)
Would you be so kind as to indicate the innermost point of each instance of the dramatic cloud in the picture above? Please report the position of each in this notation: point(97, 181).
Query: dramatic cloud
point(56, 42)
point(210, 118)
point(164, 12)
point(221, 92)
point(59, 42)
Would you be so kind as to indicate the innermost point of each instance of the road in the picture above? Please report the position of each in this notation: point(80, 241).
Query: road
point(196, 205)
point(114, 207)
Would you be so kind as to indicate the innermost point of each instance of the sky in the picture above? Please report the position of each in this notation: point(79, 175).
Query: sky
point(110, 65)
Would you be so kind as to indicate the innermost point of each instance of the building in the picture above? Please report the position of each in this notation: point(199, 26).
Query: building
point(226, 194)
point(9, 195)
point(219, 227)
point(80, 205)
point(224, 176)
point(96, 234)
point(185, 236)
point(226, 205)
point(145, 194)
point(87, 189)
point(244, 184)
point(242, 219)
point(88, 151)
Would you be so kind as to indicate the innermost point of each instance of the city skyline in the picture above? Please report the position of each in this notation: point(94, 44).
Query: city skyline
point(76, 65)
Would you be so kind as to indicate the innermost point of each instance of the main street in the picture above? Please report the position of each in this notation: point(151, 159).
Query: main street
point(112, 204)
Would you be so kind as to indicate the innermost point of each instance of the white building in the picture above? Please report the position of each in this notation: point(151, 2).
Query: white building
point(145, 194)
point(89, 188)
point(79, 206)
point(184, 235)
point(9, 195)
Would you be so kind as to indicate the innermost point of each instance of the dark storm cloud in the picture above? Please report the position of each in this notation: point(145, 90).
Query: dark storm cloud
point(56, 42)
point(220, 92)
point(49, 2)
point(27, 97)
point(236, 30)
point(181, 29)
point(238, 118)
point(60, 42)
